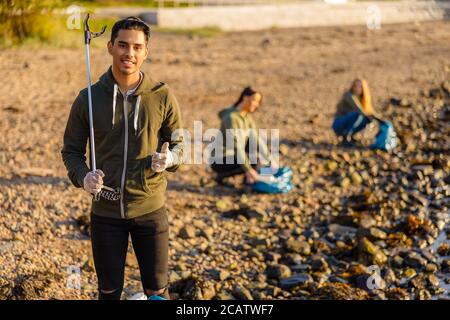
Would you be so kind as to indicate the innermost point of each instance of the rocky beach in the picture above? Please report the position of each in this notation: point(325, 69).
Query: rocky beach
point(360, 223)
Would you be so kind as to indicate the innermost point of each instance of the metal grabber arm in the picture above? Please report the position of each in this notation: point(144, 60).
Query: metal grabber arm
point(88, 36)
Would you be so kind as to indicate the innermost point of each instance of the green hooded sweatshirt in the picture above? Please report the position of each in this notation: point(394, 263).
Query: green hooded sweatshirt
point(127, 131)
point(348, 103)
point(232, 119)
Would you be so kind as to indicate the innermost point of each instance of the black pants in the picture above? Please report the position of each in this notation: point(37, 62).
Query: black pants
point(150, 239)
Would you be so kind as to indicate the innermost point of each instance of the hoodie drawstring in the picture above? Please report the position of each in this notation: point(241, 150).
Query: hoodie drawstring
point(136, 109)
point(136, 114)
point(114, 104)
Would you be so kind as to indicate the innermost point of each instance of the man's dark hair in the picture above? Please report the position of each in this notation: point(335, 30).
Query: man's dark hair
point(130, 23)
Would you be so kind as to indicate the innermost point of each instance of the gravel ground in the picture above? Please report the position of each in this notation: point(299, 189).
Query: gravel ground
point(351, 208)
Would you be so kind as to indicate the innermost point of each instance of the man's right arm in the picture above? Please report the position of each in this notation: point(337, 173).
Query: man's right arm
point(75, 140)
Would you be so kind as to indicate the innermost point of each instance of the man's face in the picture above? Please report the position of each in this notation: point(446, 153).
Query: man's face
point(129, 51)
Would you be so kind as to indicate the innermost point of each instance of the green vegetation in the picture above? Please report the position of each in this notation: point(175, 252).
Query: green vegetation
point(36, 23)
point(21, 20)
point(51, 30)
point(201, 32)
point(92, 4)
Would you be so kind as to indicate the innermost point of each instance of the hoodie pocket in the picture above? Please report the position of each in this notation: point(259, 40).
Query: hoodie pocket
point(151, 180)
point(112, 171)
point(142, 181)
point(135, 184)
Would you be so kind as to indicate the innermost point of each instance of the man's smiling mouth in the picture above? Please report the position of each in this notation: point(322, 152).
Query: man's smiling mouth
point(127, 62)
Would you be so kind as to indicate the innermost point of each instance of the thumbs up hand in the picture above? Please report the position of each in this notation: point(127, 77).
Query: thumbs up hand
point(162, 160)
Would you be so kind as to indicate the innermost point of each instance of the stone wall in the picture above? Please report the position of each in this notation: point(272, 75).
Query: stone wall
point(311, 14)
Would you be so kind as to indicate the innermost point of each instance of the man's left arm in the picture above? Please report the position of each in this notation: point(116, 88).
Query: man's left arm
point(171, 131)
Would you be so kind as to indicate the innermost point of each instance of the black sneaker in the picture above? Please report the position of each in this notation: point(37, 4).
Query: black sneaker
point(347, 143)
point(356, 143)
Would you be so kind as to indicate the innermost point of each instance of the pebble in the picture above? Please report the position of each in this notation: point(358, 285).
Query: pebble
point(414, 260)
point(278, 271)
point(187, 232)
point(242, 293)
point(296, 246)
point(318, 263)
point(369, 253)
point(295, 280)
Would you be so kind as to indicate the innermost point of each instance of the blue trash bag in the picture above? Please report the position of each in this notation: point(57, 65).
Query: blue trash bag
point(284, 173)
point(281, 182)
point(386, 138)
point(155, 297)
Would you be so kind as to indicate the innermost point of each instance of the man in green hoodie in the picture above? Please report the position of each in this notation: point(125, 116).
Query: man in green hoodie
point(134, 117)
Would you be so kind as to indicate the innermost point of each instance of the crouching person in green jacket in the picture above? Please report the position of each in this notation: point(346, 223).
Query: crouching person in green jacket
point(234, 158)
point(135, 121)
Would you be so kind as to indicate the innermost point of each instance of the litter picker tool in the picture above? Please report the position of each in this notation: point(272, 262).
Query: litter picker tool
point(88, 36)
